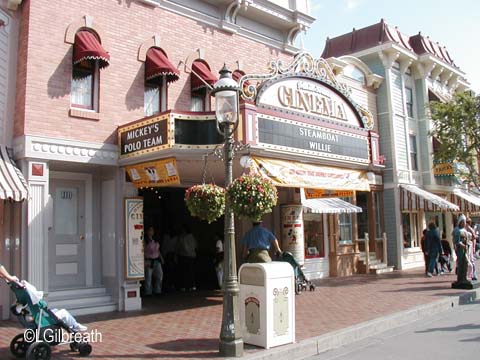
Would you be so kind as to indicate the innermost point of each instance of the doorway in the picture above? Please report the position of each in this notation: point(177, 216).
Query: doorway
point(165, 210)
point(68, 235)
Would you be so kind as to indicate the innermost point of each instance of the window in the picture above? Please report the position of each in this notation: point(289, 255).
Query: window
point(314, 236)
point(152, 98)
point(345, 226)
point(409, 101)
point(362, 218)
point(84, 91)
point(413, 153)
point(200, 100)
point(410, 230)
point(354, 73)
point(200, 80)
point(87, 59)
point(378, 215)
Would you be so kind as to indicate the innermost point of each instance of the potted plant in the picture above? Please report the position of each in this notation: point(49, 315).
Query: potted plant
point(206, 201)
point(251, 196)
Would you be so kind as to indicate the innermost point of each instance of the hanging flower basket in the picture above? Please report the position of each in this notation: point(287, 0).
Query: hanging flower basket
point(206, 201)
point(251, 196)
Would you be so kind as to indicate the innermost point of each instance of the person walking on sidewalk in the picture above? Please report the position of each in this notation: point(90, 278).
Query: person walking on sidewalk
point(187, 253)
point(153, 264)
point(433, 247)
point(472, 274)
point(257, 242)
point(460, 241)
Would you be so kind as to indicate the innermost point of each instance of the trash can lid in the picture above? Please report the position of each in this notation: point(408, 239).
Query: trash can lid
point(271, 270)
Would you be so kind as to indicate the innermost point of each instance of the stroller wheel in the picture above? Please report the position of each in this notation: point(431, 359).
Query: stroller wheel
point(84, 349)
point(39, 351)
point(312, 287)
point(19, 346)
point(74, 346)
point(298, 289)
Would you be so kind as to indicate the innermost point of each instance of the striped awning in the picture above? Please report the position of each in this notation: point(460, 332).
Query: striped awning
point(329, 206)
point(414, 198)
point(466, 200)
point(12, 183)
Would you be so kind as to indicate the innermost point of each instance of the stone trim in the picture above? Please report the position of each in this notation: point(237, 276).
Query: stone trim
point(47, 148)
point(85, 22)
point(84, 114)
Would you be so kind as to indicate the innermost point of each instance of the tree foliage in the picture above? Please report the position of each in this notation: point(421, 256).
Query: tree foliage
point(456, 126)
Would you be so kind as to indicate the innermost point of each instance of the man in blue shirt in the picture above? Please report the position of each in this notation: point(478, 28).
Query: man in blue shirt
point(257, 242)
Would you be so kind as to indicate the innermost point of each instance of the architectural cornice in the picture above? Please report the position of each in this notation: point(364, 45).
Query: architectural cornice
point(289, 23)
point(47, 148)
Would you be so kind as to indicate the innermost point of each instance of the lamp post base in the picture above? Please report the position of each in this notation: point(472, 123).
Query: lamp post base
point(231, 348)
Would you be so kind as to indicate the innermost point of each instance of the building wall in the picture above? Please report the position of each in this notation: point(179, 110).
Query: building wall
point(45, 63)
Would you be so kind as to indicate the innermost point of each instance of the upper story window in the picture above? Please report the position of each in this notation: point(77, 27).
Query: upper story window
point(159, 72)
point(413, 153)
point(409, 101)
point(201, 76)
point(354, 73)
point(88, 58)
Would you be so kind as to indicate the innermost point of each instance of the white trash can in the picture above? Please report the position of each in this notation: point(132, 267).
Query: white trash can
point(267, 303)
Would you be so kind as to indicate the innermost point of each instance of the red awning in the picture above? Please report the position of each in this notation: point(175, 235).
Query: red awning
point(157, 65)
point(201, 69)
point(87, 47)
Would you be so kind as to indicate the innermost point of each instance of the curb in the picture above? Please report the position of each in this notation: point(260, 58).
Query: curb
point(332, 340)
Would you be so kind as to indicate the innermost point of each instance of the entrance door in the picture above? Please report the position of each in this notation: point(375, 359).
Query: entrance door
point(67, 235)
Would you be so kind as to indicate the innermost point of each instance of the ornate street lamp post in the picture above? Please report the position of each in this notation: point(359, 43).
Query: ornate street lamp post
point(226, 92)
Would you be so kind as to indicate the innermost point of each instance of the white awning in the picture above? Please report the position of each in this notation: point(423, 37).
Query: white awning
point(329, 206)
point(414, 198)
point(12, 183)
point(466, 200)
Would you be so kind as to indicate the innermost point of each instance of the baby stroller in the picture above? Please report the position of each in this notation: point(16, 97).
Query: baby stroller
point(46, 329)
point(301, 282)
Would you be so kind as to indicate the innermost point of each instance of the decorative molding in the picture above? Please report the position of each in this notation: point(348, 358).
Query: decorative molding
point(374, 80)
point(65, 150)
point(404, 65)
point(272, 13)
point(13, 4)
point(85, 22)
point(388, 57)
point(154, 41)
point(437, 71)
point(305, 65)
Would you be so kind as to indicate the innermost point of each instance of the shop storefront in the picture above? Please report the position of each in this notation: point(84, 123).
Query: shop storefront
point(305, 133)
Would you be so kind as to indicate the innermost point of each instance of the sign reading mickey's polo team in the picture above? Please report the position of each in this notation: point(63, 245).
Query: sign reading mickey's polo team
point(143, 136)
point(343, 139)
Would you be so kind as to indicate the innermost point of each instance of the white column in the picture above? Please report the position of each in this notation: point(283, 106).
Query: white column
point(35, 236)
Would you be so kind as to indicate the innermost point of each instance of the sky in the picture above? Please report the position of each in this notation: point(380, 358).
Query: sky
point(454, 24)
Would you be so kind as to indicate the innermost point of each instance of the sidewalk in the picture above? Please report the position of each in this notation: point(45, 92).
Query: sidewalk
point(187, 325)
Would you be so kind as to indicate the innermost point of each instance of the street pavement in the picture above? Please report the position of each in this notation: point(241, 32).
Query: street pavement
point(448, 335)
point(187, 325)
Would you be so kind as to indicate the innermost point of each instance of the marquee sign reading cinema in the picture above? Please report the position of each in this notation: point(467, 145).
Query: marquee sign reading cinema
point(310, 113)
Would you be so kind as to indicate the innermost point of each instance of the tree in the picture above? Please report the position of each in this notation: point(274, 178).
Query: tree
point(456, 127)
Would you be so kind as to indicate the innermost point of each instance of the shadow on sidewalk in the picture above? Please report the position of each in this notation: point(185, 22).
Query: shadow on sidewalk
point(166, 303)
point(451, 328)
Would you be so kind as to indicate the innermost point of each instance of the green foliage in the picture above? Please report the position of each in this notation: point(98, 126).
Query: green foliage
point(206, 201)
point(251, 196)
point(456, 126)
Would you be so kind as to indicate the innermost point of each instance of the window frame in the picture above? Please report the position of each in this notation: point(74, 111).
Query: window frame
point(94, 72)
point(413, 152)
point(409, 104)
